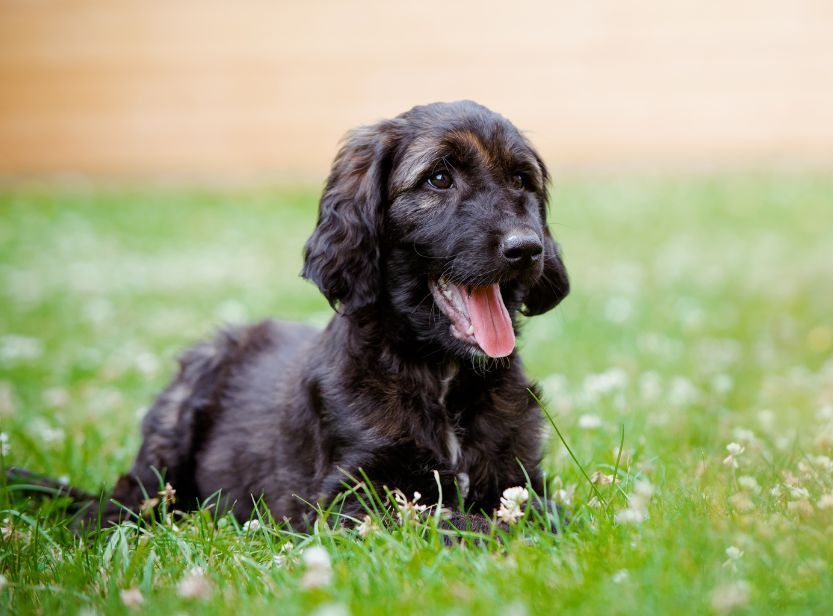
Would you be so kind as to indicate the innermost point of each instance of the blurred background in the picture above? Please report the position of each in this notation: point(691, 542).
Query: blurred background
point(215, 89)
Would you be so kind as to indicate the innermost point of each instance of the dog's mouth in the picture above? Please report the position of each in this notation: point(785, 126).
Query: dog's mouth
point(478, 315)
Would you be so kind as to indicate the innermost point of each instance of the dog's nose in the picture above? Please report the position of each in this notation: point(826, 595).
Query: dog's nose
point(519, 247)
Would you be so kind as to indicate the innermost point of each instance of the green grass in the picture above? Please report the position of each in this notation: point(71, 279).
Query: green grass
point(700, 315)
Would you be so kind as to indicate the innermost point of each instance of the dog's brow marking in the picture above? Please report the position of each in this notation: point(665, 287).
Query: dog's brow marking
point(472, 140)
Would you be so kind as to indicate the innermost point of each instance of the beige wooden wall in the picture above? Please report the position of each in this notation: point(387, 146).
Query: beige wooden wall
point(208, 88)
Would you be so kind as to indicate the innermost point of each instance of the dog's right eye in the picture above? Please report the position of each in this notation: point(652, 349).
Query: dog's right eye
point(440, 179)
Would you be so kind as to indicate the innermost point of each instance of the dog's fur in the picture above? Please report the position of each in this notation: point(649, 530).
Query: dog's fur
point(285, 412)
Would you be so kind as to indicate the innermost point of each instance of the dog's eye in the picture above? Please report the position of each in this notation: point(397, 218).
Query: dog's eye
point(440, 179)
point(518, 181)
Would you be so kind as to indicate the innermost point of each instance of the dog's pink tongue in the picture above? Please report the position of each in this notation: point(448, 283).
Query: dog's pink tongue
point(490, 320)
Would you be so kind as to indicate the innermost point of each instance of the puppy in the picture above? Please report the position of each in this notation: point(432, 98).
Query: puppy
point(431, 238)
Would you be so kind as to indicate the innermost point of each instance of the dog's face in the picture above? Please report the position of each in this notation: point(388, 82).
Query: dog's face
point(439, 216)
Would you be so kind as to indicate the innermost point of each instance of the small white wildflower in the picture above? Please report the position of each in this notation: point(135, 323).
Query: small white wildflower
point(826, 501)
point(146, 363)
point(168, 494)
point(331, 609)
point(517, 495)
point(618, 309)
point(594, 502)
point(637, 510)
point(722, 383)
point(283, 556)
point(563, 494)
point(367, 527)
point(750, 484)
point(741, 502)
point(509, 514)
point(824, 464)
point(643, 489)
point(730, 596)
point(408, 511)
point(14, 348)
point(734, 554)
point(620, 576)
point(251, 526)
point(744, 435)
point(803, 507)
point(195, 585)
point(4, 444)
point(132, 597)
point(629, 516)
point(55, 397)
point(318, 568)
point(601, 479)
point(734, 450)
point(798, 492)
point(511, 504)
point(589, 422)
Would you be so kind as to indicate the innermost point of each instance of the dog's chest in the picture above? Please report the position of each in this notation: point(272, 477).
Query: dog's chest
point(453, 433)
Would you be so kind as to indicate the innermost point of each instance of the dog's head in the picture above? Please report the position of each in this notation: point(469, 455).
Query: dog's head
point(440, 217)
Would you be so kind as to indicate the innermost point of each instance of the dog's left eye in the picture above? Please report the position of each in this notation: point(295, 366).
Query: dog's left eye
point(440, 179)
point(518, 181)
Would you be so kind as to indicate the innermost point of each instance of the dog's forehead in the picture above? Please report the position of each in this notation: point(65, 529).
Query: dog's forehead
point(486, 142)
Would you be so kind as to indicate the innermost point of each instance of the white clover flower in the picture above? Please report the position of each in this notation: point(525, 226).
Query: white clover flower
point(730, 596)
point(509, 514)
point(367, 527)
point(589, 422)
point(734, 554)
point(734, 450)
point(643, 489)
point(620, 576)
point(131, 597)
point(630, 516)
point(826, 501)
point(195, 585)
point(750, 484)
point(511, 504)
point(741, 502)
point(517, 495)
point(798, 492)
point(4, 444)
point(637, 510)
point(168, 494)
point(407, 511)
point(602, 479)
point(318, 570)
point(284, 555)
point(803, 507)
point(251, 526)
point(561, 493)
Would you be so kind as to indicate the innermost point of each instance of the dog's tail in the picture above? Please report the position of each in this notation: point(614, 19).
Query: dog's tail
point(27, 483)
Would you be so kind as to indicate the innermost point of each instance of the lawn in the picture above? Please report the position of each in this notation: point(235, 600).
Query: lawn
point(699, 333)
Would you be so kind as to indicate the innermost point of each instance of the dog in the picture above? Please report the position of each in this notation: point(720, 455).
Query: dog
point(431, 238)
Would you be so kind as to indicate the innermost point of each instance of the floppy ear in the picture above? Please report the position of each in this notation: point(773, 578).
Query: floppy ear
point(552, 286)
point(342, 255)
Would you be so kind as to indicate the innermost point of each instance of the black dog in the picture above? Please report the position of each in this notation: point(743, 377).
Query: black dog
point(431, 237)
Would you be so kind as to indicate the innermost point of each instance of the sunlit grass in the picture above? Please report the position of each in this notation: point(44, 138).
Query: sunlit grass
point(700, 317)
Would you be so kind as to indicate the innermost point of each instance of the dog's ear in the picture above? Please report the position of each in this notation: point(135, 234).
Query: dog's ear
point(342, 255)
point(552, 286)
